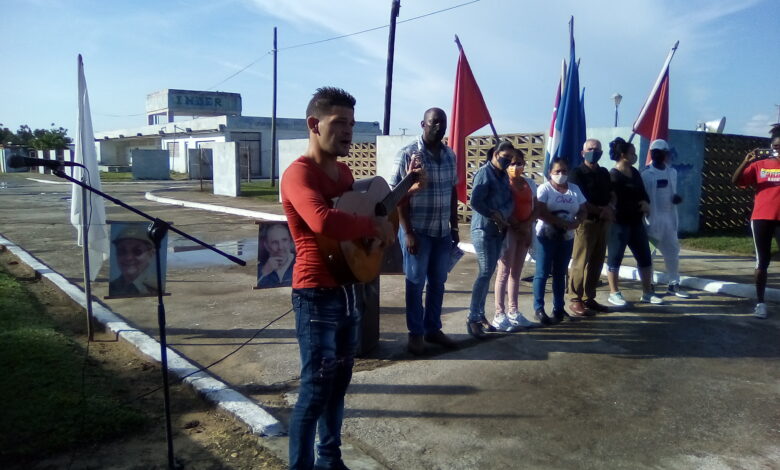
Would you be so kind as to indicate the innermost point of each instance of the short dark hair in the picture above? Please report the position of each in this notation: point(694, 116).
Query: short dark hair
point(558, 161)
point(327, 97)
point(774, 132)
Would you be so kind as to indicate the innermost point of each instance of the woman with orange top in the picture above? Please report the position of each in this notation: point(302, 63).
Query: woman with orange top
point(516, 244)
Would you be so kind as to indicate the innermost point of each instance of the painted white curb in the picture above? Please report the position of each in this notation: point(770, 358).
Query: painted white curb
point(259, 420)
point(734, 289)
point(215, 208)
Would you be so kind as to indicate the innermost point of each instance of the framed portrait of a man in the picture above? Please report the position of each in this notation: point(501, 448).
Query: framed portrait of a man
point(133, 270)
point(275, 255)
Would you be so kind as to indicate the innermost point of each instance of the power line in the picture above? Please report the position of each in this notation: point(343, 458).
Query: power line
point(295, 46)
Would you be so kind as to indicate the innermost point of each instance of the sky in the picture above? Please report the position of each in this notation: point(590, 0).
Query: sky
point(723, 66)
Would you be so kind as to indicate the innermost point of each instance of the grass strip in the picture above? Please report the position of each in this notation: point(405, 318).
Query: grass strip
point(261, 190)
point(44, 408)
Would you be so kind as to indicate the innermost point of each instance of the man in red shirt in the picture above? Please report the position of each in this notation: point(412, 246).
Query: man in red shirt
point(327, 314)
point(764, 174)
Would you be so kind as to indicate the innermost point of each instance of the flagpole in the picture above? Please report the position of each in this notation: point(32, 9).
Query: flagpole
point(492, 127)
point(85, 239)
point(85, 225)
point(655, 87)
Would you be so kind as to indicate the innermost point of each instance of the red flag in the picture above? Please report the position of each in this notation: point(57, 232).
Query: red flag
point(469, 113)
point(653, 120)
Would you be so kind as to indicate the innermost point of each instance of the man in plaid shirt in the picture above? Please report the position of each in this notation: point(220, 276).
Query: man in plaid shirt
point(428, 229)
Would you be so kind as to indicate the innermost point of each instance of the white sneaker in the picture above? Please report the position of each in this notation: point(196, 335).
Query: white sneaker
point(617, 299)
point(501, 323)
point(517, 319)
point(760, 311)
point(674, 289)
point(651, 298)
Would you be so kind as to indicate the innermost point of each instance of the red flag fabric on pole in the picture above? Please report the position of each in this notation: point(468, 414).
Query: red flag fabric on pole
point(469, 113)
point(653, 120)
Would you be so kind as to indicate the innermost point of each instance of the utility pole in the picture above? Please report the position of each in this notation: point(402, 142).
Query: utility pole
point(390, 53)
point(273, 122)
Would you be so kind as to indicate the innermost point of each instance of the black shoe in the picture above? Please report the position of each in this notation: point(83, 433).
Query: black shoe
point(475, 329)
point(542, 317)
point(558, 315)
point(487, 326)
point(338, 466)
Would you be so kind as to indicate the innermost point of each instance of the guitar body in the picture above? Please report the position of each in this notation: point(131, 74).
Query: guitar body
point(358, 260)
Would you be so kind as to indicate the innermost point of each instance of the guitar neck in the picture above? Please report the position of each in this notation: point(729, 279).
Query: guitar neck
point(390, 202)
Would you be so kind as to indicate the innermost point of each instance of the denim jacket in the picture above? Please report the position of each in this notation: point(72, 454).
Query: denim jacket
point(490, 192)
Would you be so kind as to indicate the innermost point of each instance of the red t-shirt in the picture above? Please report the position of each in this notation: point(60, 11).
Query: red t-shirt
point(765, 175)
point(307, 193)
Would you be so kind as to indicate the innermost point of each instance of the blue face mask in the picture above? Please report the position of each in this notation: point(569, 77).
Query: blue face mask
point(593, 156)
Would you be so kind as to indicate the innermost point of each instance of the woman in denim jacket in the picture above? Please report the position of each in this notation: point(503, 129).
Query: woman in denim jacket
point(491, 204)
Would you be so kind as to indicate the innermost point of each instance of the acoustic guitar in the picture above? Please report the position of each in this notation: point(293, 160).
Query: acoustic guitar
point(360, 260)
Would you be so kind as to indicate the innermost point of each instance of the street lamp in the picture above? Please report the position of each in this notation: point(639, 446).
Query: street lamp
point(617, 97)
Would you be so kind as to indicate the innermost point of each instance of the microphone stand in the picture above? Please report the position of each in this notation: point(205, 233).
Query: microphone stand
point(156, 231)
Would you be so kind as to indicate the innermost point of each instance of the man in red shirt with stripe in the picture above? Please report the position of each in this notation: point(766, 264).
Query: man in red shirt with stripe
point(327, 314)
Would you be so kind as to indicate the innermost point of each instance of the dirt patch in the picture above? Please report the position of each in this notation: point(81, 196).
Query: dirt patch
point(204, 436)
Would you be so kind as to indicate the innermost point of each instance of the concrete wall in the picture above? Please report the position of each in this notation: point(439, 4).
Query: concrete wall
point(150, 165)
point(226, 169)
point(387, 147)
point(688, 163)
point(289, 151)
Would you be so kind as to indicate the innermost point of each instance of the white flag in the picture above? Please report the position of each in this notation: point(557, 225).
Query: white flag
point(96, 211)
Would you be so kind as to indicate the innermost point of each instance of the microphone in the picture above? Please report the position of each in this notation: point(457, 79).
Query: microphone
point(24, 162)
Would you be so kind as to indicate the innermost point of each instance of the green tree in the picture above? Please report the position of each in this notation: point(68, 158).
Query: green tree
point(55, 138)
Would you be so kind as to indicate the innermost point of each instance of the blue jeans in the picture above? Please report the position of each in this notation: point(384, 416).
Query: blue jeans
point(429, 264)
point(327, 325)
point(635, 237)
point(488, 249)
point(552, 258)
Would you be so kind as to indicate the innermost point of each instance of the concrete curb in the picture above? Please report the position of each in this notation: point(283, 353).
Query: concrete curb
point(259, 420)
point(733, 289)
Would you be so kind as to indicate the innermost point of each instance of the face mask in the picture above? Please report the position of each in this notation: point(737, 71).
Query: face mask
point(558, 179)
point(503, 162)
point(658, 157)
point(593, 156)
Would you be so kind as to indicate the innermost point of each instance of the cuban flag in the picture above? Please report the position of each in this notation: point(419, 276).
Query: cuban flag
point(570, 118)
point(553, 137)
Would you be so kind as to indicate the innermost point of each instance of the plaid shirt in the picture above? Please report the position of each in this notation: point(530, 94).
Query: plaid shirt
point(429, 209)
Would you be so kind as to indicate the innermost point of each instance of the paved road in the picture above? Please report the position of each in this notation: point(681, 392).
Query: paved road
point(691, 384)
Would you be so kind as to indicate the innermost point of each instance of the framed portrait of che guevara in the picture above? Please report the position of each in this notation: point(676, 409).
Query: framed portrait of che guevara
point(133, 269)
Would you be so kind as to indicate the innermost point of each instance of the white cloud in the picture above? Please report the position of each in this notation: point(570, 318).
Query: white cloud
point(758, 125)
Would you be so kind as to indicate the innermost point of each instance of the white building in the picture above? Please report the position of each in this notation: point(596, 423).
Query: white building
point(213, 117)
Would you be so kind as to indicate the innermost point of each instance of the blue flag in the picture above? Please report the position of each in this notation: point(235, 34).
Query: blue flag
point(570, 120)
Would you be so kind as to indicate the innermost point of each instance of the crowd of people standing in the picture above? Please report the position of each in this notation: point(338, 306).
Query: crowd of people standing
point(575, 215)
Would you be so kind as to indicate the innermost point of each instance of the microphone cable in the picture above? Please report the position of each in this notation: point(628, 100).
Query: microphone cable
point(205, 368)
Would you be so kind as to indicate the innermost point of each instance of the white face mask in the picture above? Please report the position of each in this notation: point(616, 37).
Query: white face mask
point(558, 179)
